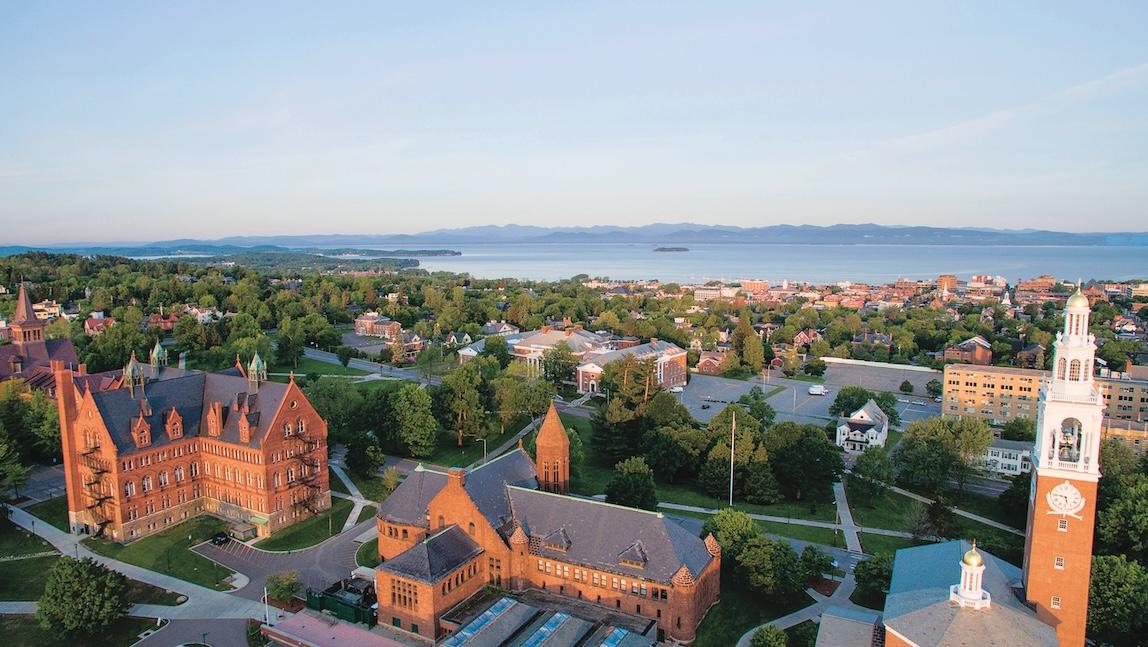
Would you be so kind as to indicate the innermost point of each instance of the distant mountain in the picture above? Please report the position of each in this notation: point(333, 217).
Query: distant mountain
point(431, 242)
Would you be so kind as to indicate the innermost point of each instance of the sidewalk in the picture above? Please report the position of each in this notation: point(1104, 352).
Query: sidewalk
point(852, 538)
point(356, 496)
point(829, 525)
point(968, 515)
point(840, 598)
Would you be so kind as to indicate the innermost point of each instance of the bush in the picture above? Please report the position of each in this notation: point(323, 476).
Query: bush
point(82, 595)
point(283, 586)
point(906, 387)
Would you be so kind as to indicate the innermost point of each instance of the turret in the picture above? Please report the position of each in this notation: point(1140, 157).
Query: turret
point(969, 592)
point(256, 371)
point(158, 355)
point(134, 377)
point(552, 455)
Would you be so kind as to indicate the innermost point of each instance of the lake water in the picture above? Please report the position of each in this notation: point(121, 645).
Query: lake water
point(814, 263)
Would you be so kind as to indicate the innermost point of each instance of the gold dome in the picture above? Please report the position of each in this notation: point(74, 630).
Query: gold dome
point(972, 557)
point(1078, 300)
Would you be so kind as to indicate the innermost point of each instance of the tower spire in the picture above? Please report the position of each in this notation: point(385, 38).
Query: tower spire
point(553, 454)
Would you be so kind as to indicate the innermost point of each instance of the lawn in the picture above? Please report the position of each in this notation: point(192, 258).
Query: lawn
point(24, 630)
point(368, 554)
point(890, 511)
point(894, 438)
point(371, 487)
point(810, 534)
point(337, 484)
point(883, 544)
point(739, 610)
point(170, 552)
point(308, 366)
point(813, 379)
point(366, 513)
point(802, 635)
point(54, 511)
point(23, 579)
point(310, 531)
point(985, 506)
point(15, 541)
point(448, 454)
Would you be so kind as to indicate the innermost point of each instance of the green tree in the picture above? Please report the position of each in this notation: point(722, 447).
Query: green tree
point(82, 596)
point(873, 576)
point(364, 456)
point(345, 353)
point(872, 474)
point(283, 586)
point(508, 397)
point(416, 423)
point(852, 398)
point(1122, 526)
point(769, 636)
point(674, 451)
point(292, 340)
point(13, 475)
point(1019, 429)
point(464, 400)
point(760, 486)
point(934, 388)
point(755, 402)
point(804, 461)
point(1117, 599)
point(339, 403)
point(558, 363)
point(814, 563)
point(815, 366)
point(496, 347)
point(769, 567)
point(906, 387)
point(731, 528)
point(632, 485)
point(391, 479)
point(1014, 500)
point(971, 439)
point(753, 353)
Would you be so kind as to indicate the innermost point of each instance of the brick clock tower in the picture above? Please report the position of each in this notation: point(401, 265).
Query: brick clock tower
point(1062, 501)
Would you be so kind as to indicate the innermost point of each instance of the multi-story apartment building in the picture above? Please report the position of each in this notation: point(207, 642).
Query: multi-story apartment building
point(167, 445)
point(669, 364)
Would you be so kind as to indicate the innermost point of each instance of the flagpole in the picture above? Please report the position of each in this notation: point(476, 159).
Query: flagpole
point(732, 441)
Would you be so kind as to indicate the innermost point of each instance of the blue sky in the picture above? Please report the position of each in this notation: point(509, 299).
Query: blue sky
point(146, 121)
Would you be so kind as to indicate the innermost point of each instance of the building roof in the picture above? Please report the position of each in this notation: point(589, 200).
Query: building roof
point(652, 348)
point(971, 342)
point(600, 534)
point(435, 557)
point(24, 311)
point(579, 340)
point(35, 354)
point(552, 434)
point(845, 626)
point(1014, 445)
point(918, 605)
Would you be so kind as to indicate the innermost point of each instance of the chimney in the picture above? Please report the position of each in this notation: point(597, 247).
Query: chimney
point(456, 477)
point(653, 341)
point(82, 369)
point(545, 329)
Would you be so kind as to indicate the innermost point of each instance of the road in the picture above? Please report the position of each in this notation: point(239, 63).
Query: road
point(375, 368)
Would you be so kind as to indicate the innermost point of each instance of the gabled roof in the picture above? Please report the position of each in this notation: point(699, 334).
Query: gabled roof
point(970, 343)
point(24, 311)
point(435, 557)
point(919, 609)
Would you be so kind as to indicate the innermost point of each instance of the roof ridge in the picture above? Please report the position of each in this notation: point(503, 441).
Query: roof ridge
point(654, 513)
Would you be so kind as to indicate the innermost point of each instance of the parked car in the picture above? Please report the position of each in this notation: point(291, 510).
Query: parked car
point(705, 406)
point(817, 389)
point(676, 389)
point(220, 538)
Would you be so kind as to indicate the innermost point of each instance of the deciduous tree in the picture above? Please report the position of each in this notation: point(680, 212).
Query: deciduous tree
point(632, 485)
point(82, 596)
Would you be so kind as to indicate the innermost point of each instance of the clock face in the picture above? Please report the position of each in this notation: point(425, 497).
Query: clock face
point(1065, 500)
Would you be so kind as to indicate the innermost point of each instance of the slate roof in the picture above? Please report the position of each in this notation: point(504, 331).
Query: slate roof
point(190, 393)
point(842, 626)
point(641, 351)
point(600, 533)
point(435, 557)
point(918, 605)
point(36, 354)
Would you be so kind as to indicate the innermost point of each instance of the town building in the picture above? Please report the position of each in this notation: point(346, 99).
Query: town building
point(1008, 457)
point(376, 325)
point(864, 428)
point(975, 350)
point(97, 323)
point(669, 364)
point(443, 536)
point(166, 445)
point(30, 354)
point(710, 362)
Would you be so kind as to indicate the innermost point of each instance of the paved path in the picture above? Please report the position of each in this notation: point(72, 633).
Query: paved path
point(356, 496)
point(829, 525)
point(220, 633)
point(968, 515)
point(840, 598)
point(852, 538)
point(508, 445)
point(202, 602)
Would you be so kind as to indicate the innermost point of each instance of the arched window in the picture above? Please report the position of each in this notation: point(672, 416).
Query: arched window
point(1074, 371)
point(1069, 440)
point(178, 474)
point(441, 521)
point(470, 528)
point(130, 488)
point(163, 479)
point(286, 429)
point(145, 484)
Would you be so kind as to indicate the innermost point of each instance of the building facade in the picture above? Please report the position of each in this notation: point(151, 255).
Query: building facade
point(974, 350)
point(864, 428)
point(30, 354)
point(443, 536)
point(167, 445)
point(669, 364)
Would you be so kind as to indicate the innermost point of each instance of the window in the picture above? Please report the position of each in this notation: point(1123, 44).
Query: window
point(1060, 563)
point(1062, 525)
point(1056, 602)
point(163, 479)
point(299, 426)
point(130, 488)
point(145, 484)
point(290, 474)
point(286, 429)
point(470, 528)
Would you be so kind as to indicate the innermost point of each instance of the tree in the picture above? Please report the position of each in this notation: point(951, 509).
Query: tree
point(364, 456)
point(1122, 527)
point(852, 398)
point(1019, 429)
point(391, 479)
point(558, 363)
point(416, 423)
point(731, 528)
point(814, 563)
point(292, 340)
point(82, 595)
point(632, 485)
point(906, 387)
point(344, 353)
point(508, 397)
point(283, 586)
point(769, 567)
point(13, 474)
point(758, 407)
point(769, 636)
point(815, 367)
point(760, 486)
point(873, 576)
point(674, 451)
point(463, 399)
point(1014, 500)
point(753, 353)
point(971, 439)
point(496, 347)
point(1117, 599)
point(804, 461)
point(934, 388)
point(872, 474)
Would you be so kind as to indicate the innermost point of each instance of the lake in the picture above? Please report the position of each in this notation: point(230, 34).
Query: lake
point(814, 263)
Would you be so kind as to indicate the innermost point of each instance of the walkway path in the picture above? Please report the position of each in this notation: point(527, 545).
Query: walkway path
point(829, 525)
point(852, 538)
point(968, 515)
point(506, 446)
point(202, 602)
point(840, 598)
point(356, 496)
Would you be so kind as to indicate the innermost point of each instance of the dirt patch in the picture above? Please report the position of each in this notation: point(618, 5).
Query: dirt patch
point(825, 587)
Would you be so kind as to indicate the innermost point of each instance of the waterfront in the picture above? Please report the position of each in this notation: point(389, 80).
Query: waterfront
point(814, 263)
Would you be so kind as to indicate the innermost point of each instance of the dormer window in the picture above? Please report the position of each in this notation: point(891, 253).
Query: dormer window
point(174, 425)
point(141, 432)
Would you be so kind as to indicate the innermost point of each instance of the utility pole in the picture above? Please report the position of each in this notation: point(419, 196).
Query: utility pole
point(266, 615)
point(732, 440)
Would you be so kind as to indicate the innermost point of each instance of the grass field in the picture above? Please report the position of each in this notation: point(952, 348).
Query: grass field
point(890, 511)
point(337, 484)
point(883, 544)
point(23, 579)
point(366, 513)
point(448, 454)
point(738, 610)
point(811, 534)
point(368, 554)
point(24, 630)
point(308, 366)
point(311, 531)
point(170, 552)
point(54, 511)
point(372, 488)
point(15, 541)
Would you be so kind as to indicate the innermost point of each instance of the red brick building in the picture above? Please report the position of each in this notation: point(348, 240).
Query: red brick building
point(975, 350)
point(30, 354)
point(669, 360)
point(445, 535)
point(376, 325)
point(168, 445)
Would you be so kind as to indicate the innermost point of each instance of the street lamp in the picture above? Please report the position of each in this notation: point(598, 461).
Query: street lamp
point(483, 449)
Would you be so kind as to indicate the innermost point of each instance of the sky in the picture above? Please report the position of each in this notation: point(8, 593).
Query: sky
point(153, 121)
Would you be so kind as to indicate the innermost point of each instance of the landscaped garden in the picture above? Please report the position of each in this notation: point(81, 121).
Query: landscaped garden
point(169, 552)
point(310, 531)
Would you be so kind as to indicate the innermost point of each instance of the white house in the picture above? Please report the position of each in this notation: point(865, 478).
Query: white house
point(865, 427)
point(1008, 457)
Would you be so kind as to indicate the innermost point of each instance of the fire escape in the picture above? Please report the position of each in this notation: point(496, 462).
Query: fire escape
point(309, 475)
point(96, 489)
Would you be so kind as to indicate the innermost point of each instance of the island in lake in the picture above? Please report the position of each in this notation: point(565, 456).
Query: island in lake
point(671, 249)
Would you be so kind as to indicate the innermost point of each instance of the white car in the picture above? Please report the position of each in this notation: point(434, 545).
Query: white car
point(817, 389)
point(676, 389)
